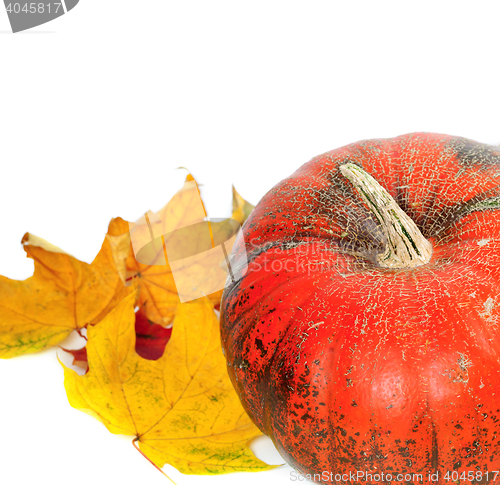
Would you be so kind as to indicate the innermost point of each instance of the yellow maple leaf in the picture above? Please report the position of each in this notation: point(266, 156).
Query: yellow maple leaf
point(157, 287)
point(64, 294)
point(181, 408)
point(241, 207)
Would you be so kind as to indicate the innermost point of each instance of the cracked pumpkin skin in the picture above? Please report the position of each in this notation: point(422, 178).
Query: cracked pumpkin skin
point(348, 365)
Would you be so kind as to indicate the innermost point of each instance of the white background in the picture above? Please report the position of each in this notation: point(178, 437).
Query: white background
point(101, 105)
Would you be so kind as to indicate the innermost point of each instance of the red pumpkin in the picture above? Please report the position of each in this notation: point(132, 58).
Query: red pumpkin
point(357, 345)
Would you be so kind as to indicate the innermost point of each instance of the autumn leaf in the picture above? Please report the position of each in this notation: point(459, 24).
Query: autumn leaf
point(157, 286)
point(64, 294)
point(156, 283)
point(181, 408)
point(241, 208)
point(150, 341)
point(79, 358)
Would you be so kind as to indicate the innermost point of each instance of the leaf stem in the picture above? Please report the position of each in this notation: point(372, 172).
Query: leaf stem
point(150, 461)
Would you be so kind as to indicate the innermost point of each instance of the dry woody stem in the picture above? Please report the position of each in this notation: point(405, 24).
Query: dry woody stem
point(406, 246)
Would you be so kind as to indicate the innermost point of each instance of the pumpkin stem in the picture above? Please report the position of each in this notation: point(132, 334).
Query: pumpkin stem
point(406, 246)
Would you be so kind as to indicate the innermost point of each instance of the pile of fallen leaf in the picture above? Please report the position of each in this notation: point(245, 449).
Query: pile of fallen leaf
point(154, 366)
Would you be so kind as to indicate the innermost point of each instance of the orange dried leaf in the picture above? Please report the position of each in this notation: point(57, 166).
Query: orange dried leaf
point(182, 407)
point(64, 294)
point(156, 284)
point(179, 226)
